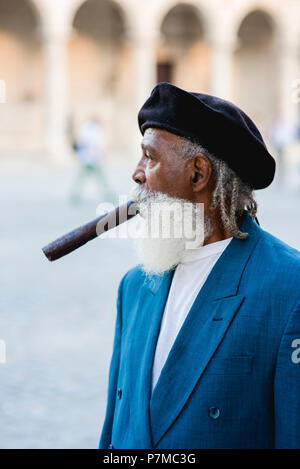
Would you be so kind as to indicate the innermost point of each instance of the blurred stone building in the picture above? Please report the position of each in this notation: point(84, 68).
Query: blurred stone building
point(65, 60)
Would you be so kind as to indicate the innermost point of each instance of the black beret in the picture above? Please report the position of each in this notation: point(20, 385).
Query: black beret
point(218, 125)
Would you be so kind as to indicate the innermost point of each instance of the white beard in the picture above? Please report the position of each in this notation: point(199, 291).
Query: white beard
point(162, 241)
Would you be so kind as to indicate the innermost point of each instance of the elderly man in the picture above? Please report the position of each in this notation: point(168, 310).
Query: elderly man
point(207, 341)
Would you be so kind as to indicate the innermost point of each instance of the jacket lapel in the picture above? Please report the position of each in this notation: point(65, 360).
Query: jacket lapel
point(140, 353)
point(200, 335)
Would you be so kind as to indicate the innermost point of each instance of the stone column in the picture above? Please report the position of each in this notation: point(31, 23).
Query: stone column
point(143, 45)
point(56, 34)
point(222, 67)
point(289, 82)
point(289, 106)
point(144, 56)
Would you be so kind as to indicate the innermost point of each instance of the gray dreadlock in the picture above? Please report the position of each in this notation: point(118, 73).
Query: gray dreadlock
point(229, 189)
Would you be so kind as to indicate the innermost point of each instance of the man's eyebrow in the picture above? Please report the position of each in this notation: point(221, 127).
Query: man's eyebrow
point(148, 147)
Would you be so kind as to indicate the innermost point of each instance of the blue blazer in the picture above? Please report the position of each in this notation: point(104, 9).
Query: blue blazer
point(232, 377)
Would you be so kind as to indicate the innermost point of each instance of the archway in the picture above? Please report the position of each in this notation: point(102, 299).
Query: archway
point(99, 65)
point(183, 54)
point(21, 69)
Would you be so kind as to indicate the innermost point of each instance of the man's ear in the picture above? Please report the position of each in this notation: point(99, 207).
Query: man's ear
point(201, 172)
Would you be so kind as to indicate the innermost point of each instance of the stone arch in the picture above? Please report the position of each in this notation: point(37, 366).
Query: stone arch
point(78, 4)
point(21, 68)
point(37, 11)
point(244, 9)
point(200, 7)
point(183, 47)
point(99, 64)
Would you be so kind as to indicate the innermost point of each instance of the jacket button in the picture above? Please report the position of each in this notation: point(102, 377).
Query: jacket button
point(214, 412)
point(119, 393)
point(110, 446)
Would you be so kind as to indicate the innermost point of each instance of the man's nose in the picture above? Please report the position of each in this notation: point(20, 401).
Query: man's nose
point(139, 175)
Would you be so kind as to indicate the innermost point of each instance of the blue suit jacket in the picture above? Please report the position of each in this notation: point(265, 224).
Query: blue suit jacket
point(232, 377)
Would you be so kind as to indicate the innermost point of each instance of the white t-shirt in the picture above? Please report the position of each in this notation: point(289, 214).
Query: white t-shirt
point(189, 277)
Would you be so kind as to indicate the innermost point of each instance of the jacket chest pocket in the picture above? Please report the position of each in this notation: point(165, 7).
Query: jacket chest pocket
point(230, 365)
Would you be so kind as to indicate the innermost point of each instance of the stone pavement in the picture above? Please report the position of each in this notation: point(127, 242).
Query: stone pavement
point(57, 319)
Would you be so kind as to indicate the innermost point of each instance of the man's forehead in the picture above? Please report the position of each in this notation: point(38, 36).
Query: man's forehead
point(159, 136)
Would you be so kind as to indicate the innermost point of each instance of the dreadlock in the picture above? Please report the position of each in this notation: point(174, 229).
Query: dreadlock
point(231, 195)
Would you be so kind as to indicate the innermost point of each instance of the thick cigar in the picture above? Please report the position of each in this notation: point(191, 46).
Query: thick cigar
point(80, 236)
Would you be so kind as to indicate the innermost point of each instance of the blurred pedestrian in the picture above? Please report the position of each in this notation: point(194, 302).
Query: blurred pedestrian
point(89, 148)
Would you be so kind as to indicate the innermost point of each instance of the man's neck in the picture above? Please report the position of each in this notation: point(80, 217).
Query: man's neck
point(218, 232)
point(216, 237)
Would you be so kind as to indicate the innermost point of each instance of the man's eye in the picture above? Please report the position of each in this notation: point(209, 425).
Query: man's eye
point(147, 155)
